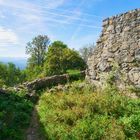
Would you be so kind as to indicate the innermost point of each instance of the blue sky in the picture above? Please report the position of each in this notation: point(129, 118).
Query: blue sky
point(75, 22)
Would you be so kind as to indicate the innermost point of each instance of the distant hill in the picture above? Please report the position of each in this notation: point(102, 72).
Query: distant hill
point(19, 62)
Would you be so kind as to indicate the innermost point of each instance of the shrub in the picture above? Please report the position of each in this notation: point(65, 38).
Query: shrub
point(15, 112)
point(83, 113)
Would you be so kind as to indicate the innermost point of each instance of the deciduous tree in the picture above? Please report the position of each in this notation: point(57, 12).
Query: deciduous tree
point(37, 49)
point(60, 59)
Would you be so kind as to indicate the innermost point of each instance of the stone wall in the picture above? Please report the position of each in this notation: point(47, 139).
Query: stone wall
point(119, 43)
point(46, 82)
point(49, 82)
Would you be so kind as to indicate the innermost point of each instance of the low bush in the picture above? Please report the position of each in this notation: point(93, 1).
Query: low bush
point(15, 113)
point(80, 113)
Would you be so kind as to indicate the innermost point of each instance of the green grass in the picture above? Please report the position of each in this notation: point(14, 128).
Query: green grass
point(73, 71)
point(80, 113)
point(15, 113)
point(75, 75)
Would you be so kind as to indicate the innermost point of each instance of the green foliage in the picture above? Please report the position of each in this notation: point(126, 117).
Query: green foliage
point(1, 83)
point(75, 75)
point(60, 58)
point(73, 71)
point(57, 59)
point(34, 72)
point(37, 49)
point(10, 75)
point(58, 44)
point(82, 113)
point(3, 74)
point(15, 113)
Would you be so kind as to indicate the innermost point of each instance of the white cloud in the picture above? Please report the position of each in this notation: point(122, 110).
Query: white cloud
point(37, 13)
point(17, 4)
point(7, 37)
point(40, 16)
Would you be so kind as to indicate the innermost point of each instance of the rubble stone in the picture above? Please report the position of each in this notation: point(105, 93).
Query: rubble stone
point(119, 43)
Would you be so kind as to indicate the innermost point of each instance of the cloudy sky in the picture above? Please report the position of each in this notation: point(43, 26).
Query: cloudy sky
point(75, 22)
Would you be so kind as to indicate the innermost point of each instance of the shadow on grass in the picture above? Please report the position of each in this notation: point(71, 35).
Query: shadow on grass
point(15, 115)
point(18, 117)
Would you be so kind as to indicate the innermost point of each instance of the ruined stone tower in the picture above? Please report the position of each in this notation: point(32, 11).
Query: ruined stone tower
point(119, 43)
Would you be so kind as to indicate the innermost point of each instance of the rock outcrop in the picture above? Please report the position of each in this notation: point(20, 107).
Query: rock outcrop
point(119, 43)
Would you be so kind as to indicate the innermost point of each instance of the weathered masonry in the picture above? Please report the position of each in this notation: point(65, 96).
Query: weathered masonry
point(119, 43)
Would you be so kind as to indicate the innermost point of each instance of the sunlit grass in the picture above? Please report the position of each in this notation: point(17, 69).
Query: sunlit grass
point(82, 113)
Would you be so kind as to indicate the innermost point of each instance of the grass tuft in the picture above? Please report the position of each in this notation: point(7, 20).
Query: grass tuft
point(83, 113)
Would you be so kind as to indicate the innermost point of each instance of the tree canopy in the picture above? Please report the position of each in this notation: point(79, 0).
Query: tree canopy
point(37, 49)
point(45, 60)
point(10, 75)
point(60, 58)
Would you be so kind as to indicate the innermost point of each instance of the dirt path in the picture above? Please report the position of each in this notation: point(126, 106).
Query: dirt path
point(32, 131)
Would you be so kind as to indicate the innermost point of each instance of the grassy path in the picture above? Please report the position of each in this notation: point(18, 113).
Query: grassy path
point(32, 131)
